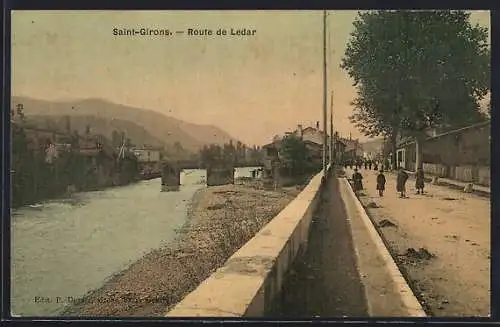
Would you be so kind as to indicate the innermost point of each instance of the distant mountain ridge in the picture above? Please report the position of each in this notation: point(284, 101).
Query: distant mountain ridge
point(142, 126)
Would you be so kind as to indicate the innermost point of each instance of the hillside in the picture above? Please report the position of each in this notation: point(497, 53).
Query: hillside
point(99, 125)
point(141, 125)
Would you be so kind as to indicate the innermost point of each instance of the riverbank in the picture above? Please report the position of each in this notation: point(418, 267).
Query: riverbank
point(70, 190)
point(221, 219)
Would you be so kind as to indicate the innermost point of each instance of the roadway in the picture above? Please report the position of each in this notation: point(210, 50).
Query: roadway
point(452, 226)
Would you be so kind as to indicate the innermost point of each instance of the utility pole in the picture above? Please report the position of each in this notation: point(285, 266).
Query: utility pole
point(332, 143)
point(325, 134)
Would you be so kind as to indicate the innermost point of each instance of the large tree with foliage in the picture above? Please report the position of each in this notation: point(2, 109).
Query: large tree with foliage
point(294, 155)
point(416, 70)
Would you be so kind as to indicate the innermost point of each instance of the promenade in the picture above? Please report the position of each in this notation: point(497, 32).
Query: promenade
point(441, 239)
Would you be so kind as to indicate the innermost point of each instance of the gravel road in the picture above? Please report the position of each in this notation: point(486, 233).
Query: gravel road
point(440, 239)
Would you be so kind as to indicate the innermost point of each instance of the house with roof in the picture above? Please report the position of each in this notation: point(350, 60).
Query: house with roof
point(462, 154)
point(313, 138)
point(353, 149)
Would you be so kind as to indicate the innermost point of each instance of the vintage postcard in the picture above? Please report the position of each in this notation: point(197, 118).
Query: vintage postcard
point(250, 164)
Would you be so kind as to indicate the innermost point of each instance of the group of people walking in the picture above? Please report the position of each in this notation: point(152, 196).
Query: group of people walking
point(401, 179)
point(367, 164)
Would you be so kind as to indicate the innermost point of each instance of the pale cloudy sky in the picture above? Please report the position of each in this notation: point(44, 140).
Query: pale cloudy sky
point(253, 87)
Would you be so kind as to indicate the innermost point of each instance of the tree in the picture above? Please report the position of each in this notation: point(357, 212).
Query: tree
point(116, 138)
point(294, 154)
point(74, 139)
point(416, 70)
point(229, 153)
point(239, 148)
point(128, 143)
point(20, 111)
point(67, 121)
point(178, 149)
point(23, 166)
point(210, 154)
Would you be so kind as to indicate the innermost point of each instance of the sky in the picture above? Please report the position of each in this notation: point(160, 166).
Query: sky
point(253, 87)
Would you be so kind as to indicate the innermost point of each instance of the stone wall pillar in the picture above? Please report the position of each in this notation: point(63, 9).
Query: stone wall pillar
point(220, 176)
point(170, 178)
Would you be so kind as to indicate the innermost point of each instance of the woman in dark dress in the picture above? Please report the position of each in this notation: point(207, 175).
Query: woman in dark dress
point(357, 181)
point(381, 183)
point(419, 181)
point(401, 182)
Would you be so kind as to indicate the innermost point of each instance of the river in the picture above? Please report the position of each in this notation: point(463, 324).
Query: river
point(67, 247)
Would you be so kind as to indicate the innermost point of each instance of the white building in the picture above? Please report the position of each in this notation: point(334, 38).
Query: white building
point(150, 155)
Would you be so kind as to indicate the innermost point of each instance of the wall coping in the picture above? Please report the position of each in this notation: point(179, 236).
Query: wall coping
point(236, 289)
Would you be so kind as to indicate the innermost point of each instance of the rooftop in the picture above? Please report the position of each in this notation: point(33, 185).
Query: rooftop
point(409, 140)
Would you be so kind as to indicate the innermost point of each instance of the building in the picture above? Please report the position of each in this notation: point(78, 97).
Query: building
point(465, 147)
point(311, 134)
point(149, 159)
point(353, 150)
point(339, 148)
point(373, 149)
point(315, 151)
point(271, 156)
point(40, 139)
point(314, 138)
point(148, 154)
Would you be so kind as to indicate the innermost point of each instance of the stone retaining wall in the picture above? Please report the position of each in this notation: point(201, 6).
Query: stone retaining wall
point(252, 277)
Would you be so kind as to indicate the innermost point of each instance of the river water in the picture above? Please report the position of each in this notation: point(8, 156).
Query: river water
point(67, 247)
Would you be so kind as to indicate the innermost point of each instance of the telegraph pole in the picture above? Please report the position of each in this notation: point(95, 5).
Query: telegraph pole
point(332, 143)
point(325, 134)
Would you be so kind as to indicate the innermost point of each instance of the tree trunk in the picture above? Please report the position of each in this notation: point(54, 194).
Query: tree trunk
point(418, 151)
point(394, 149)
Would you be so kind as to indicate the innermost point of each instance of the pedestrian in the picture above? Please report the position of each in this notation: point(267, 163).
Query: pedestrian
point(401, 182)
point(366, 164)
point(357, 181)
point(370, 164)
point(375, 166)
point(419, 181)
point(381, 183)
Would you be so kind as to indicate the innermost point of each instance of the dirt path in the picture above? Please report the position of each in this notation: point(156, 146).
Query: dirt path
point(451, 275)
point(222, 219)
